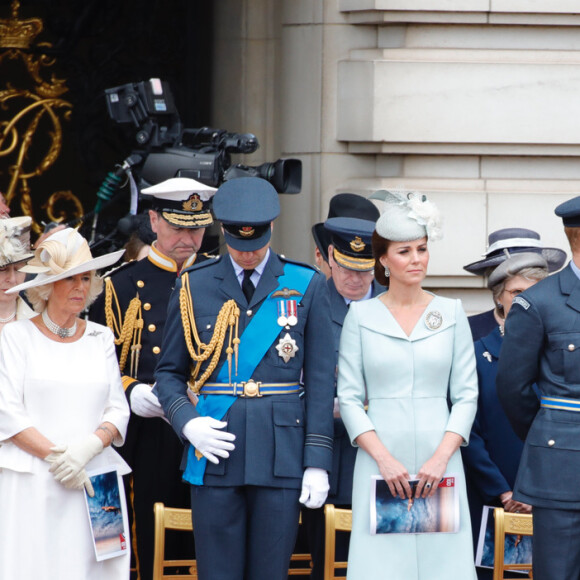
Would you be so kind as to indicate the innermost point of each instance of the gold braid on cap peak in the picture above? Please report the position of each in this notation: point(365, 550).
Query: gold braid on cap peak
point(126, 329)
point(227, 318)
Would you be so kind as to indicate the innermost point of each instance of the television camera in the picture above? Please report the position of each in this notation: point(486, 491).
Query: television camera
point(166, 149)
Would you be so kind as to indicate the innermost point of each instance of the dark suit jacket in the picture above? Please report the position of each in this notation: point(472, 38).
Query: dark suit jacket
point(277, 436)
point(542, 345)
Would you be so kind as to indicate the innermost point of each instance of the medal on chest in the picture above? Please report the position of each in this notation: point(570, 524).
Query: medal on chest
point(287, 348)
point(287, 313)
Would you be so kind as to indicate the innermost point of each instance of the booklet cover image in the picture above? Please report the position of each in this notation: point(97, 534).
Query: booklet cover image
point(107, 514)
point(393, 515)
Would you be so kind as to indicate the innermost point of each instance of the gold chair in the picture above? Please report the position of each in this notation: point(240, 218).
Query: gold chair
point(509, 523)
point(337, 520)
point(167, 518)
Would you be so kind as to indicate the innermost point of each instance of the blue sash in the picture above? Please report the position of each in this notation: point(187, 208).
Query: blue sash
point(255, 341)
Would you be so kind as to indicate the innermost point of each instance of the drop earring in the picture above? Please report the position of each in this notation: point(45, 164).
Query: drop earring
point(387, 271)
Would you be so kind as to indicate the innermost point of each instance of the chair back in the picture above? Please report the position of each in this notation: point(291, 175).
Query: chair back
point(167, 518)
point(336, 520)
point(509, 523)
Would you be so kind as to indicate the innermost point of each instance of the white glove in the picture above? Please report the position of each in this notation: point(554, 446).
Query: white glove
point(68, 461)
point(144, 403)
point(315, 487)
point(205, 435)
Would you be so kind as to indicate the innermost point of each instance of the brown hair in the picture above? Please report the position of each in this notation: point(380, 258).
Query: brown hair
point(380, 246)
point(573, 235)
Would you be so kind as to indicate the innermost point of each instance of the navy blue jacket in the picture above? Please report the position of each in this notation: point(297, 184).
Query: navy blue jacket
point(277, 436)
point(542, 345)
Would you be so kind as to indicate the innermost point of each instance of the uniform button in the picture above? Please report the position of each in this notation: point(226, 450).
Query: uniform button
point(208, 326)
point(151, 328)
point(249, 313)
point(298, 421)
point(147, 306)
point(140, 283)
point(571, 347)
point(551, 442)
point(156, 350)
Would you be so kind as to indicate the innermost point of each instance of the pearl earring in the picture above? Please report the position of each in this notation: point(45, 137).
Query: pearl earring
point(387, 271)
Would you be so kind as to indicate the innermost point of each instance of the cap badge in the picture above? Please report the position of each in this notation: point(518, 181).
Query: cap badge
point(287, 347)
point(194, 203)
point(433, 320)
point(357, 245)
point(247, 231)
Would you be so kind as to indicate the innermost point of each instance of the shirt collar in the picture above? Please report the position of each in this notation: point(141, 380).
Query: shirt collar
point(365, 297)
point(258, 270)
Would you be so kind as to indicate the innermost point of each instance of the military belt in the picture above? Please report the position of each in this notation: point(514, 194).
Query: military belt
point(560, 403)
point(250, 389)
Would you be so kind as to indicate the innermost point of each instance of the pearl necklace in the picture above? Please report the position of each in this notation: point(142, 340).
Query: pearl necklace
point(60, 331)
point(5, 320)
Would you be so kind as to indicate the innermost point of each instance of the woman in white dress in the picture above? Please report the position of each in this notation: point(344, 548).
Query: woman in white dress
point(406, 353)
point(14, 252)
point(61, 407)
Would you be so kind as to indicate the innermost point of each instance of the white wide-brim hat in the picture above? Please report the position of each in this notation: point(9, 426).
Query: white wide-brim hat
point(66, 253)
point(15, 240)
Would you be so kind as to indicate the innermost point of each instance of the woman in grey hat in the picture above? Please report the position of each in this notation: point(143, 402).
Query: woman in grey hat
point(62, 405)
point(14, 252)
point(407, 352)
point(492, 457)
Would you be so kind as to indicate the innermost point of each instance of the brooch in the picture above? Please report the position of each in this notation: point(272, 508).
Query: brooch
point(433, 319)
point(287, 348)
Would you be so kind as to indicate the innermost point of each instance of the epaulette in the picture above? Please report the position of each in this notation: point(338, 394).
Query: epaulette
point(118, 268)
point(309, 266)
point(210, 261)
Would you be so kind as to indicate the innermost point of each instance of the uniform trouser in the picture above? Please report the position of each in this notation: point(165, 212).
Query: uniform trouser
point(244, 533)
point(556, 544)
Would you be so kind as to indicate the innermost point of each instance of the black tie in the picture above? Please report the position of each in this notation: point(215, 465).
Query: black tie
point(247, 285)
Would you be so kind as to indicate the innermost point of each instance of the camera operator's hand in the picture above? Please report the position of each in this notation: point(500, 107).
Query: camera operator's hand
point(205, 435)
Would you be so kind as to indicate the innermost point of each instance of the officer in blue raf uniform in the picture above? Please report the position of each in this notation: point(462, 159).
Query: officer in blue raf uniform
point(348, 251)
point(134, 306)
point(246, 379)
point(542, 345)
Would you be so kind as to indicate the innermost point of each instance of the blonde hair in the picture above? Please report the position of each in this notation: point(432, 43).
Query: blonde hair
point(38, 296)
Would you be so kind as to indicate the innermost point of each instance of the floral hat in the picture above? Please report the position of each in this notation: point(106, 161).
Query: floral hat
point(15, 240)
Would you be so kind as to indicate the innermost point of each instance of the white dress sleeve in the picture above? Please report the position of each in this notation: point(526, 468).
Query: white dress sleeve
point(13, 415)
point(117, 409)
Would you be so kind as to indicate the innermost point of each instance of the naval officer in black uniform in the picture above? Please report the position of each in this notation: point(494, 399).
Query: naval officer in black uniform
point(134, 306)
point(542, 346)
point(246, 377)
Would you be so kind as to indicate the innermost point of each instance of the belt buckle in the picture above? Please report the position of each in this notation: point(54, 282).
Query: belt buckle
point(251, 388)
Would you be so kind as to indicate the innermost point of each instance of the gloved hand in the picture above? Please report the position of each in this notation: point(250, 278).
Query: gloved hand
point(79, 481)
point(205, 435)
point(144, 403)
point(68, 461)
point(315, 487)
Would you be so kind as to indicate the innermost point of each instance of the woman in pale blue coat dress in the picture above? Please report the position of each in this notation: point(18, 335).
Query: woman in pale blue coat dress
point(408, 355)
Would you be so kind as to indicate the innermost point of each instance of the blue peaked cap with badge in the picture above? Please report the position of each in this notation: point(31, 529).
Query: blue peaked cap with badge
point(569, 211)
point(351, 238)
point(246, 206)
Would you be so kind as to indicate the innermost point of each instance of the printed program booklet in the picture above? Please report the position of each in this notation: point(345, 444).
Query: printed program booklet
point(393, 515)
point(518, 549)
point(108, 514)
